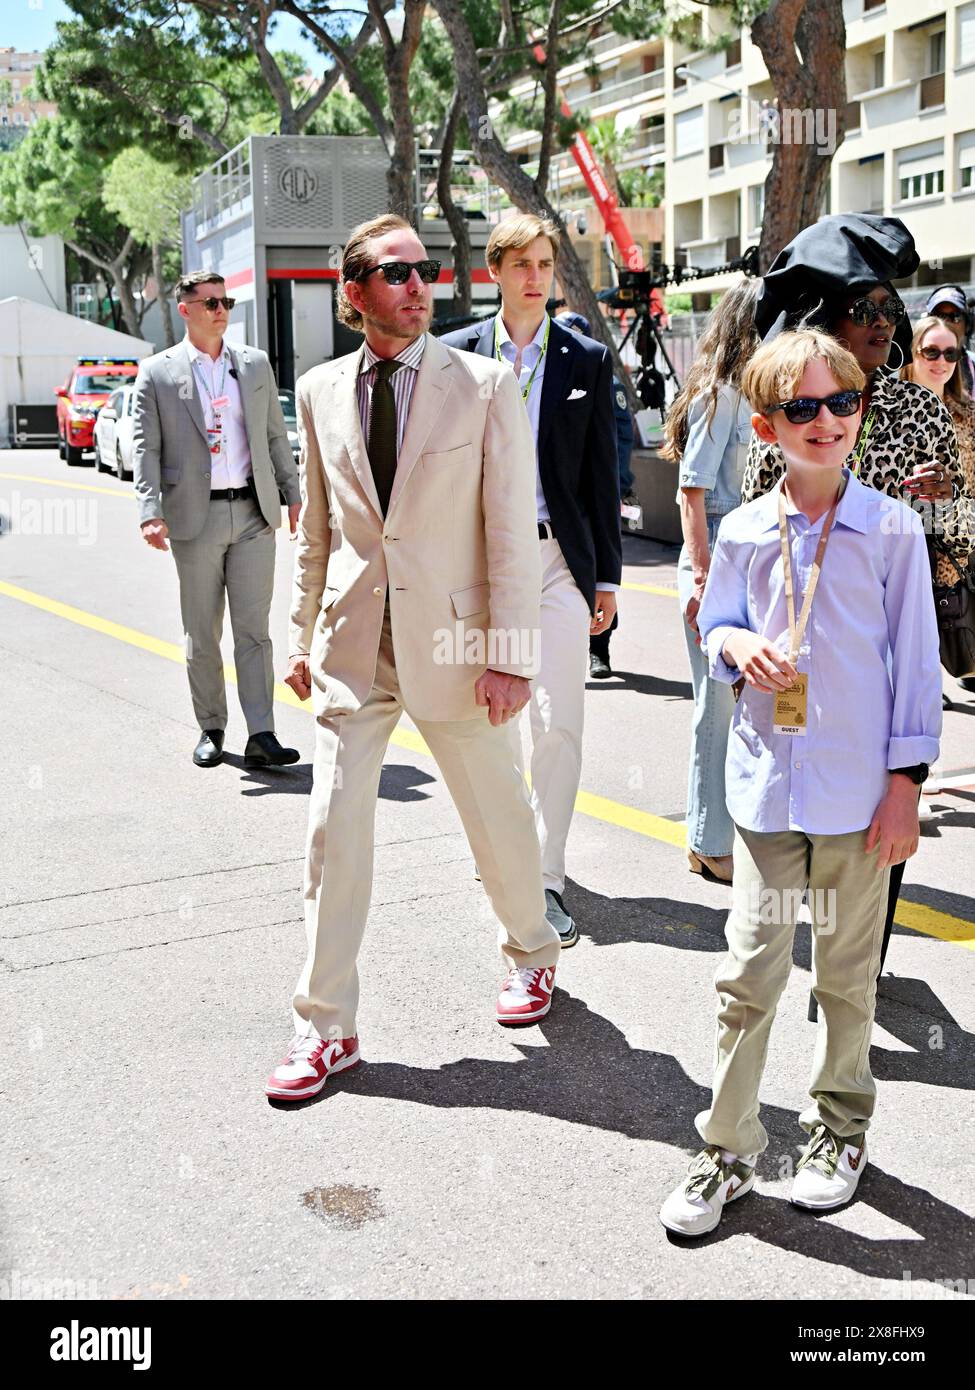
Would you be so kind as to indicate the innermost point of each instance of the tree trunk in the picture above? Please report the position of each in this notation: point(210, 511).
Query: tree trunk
point(397, 62)
point(508, 174)
point(804, 48)
point(117, 271)
point(460, 248)
point(162, 298)
point(550, 87)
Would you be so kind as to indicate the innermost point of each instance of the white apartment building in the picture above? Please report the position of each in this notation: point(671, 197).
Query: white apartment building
point(909, 150)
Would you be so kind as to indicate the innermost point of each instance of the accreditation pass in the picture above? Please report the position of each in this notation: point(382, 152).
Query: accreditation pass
point(791, 707)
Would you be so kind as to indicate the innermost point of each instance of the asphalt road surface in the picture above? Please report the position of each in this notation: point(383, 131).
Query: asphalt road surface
point(151, 934)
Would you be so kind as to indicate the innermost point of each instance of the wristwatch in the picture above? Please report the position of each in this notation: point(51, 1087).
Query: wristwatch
point(918, 773)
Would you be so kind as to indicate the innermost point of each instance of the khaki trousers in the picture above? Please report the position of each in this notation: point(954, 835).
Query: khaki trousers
point(556, 710)
point(848, 902)
point(481, 767)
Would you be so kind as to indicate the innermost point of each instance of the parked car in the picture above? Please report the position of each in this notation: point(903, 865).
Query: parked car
point(113, 433)
point(290, 412)
point(82, 396)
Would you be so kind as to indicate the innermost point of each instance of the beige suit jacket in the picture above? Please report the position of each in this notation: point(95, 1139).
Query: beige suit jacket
point(458, 552)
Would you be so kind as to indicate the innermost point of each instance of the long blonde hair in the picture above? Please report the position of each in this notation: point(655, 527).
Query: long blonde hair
point(955, 392)
point(729, 339)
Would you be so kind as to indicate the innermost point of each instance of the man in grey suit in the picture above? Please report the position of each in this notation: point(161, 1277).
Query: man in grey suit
point(210, 458)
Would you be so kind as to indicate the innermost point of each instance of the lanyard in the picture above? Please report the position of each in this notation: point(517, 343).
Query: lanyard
point(796, 630)
point(862, 442)
point(223, 383)
point(497, 350)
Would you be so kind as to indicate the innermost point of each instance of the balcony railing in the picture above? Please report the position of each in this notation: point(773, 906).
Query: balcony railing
point(932, 91)
point(623, 91)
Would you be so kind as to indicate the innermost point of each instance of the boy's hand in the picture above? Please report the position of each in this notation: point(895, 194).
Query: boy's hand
point(894, 829)
point(759, 661)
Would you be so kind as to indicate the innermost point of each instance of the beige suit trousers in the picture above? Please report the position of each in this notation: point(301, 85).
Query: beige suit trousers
point(848, 903)
point(481, 767)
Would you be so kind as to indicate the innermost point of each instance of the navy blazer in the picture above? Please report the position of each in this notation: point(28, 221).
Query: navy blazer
point(577, 458)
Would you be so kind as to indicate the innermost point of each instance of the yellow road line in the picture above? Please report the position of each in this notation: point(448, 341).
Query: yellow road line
point(652, 589)
point(915, 916)
point(75, 487)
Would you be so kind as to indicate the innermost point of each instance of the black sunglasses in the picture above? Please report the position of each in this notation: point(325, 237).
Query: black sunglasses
point(398, 272)
point(950, 316)
point(212, 303)
point(866, 311)
point(805, 409)
point(931, 354)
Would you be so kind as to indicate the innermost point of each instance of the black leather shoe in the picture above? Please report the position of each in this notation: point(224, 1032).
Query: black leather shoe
point(263, 750)
point(599, 667)
point(209, 751)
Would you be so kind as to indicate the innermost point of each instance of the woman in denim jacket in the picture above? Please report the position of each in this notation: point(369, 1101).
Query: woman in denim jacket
point(707, 434)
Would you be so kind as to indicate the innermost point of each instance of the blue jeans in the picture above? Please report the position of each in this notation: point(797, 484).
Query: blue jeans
point(710, 829)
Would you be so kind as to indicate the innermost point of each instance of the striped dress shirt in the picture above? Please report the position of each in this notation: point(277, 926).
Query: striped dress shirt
point(403, 383)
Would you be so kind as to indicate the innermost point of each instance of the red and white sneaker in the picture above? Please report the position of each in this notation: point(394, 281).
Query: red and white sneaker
point(526, 995)
point(309, 1064)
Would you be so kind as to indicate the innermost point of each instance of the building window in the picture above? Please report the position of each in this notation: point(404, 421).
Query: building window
point(689, 131)
point(966, 35)
point(921, 185)
point(756, 206)
point(936, 53)
point(878, 69)
point(733, 54)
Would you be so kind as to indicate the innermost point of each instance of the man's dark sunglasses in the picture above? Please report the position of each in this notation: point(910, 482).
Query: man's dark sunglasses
point(213, 303)
point(398, 272)
point(931, 354)
point(950, 316)
point(865, 311)
point(804, 409)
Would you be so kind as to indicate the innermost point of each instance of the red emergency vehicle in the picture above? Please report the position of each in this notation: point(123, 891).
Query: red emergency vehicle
point(81, 397)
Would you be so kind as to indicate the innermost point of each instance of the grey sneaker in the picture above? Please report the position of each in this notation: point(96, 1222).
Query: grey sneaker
point(694, 1208)
point(829, 1170)
point(556, 914)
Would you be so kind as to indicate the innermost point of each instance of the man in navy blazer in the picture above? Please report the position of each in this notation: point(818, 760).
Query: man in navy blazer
point(566, 384)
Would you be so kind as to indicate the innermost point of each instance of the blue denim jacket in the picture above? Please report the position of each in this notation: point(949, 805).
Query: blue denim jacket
point(714, 456)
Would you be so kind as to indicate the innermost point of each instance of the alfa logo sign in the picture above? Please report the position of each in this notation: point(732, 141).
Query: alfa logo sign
point(298, 183)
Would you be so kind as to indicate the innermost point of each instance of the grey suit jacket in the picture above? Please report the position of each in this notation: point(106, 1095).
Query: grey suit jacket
point(170, 458)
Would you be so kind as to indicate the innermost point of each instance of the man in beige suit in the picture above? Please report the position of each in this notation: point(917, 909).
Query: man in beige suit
point(417, 587)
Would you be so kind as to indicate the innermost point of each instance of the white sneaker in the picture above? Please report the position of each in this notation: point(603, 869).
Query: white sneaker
point(924, 811)
point(694, 1208)
point(829, 1170)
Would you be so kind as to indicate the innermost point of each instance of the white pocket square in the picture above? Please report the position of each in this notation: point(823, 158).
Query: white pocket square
point(575, 395)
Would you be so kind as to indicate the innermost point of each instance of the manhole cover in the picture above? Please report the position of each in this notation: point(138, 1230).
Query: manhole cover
point(343, 1205)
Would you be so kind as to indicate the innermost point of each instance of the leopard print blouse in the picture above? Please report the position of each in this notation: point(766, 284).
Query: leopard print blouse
point(911, 426)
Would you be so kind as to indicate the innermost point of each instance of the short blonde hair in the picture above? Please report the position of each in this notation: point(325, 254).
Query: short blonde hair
point(774, 373)
point(356, 257)
point(515, 233)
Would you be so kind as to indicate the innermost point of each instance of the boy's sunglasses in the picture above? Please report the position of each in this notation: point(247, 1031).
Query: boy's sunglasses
point(398, 272)
point(950, 316)
point(212, 304)
point(805, 409)
point(865, 311)
point(931, 354)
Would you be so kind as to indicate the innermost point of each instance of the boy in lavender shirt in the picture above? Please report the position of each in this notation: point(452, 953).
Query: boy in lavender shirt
point(840, 713)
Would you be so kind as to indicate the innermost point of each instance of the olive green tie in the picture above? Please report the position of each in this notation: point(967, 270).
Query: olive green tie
point(382, 431)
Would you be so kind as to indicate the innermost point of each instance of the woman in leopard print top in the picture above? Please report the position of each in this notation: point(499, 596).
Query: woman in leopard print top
point(943, 377)
point(907, 446)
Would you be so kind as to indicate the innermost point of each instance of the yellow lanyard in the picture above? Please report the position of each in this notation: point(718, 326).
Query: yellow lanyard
point(497, 351)
point(796, 630)
point(862, 442)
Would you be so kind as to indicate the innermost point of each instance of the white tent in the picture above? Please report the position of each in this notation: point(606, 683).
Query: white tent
point(39, 346)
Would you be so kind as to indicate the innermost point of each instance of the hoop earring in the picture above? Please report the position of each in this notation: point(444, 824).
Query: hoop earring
point(896, 344)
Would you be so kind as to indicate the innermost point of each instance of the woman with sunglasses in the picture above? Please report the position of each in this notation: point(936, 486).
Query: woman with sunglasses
point(949, 303)
point(937, 362)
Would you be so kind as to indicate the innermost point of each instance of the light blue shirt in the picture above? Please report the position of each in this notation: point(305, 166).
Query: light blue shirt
point(715, 453)
point(529, 356)
point(870, 649)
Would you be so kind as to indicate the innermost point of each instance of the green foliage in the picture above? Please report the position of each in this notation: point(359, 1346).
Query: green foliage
point(146, 196)
point(642, 188)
